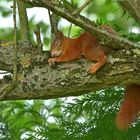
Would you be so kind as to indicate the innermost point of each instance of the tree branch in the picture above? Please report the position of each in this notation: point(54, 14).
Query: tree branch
point(38, 39)
point(133, 7)
point(54, 20)
point(36, 80)
point(104, 37)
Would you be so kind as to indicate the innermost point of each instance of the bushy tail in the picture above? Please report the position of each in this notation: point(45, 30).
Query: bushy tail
point(130, 107)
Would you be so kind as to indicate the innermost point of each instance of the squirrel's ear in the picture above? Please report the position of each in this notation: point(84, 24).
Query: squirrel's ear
point(57, 39)
point(59, 35)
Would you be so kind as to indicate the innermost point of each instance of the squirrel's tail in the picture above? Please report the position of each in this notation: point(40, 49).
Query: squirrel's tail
point(130, 107)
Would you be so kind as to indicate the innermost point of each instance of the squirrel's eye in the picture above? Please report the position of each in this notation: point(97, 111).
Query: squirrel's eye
point(57, 43)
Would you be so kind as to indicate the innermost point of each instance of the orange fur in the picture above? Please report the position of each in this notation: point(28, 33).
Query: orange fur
point(64, 49)
point(130, 107)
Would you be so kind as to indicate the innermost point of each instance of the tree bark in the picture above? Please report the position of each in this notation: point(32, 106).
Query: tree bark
point(37, 80)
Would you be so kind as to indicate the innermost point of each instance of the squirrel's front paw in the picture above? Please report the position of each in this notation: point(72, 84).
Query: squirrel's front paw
point(92, 70)
point(51, 61)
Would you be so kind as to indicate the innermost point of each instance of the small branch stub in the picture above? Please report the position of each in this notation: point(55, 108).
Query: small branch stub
point(38, 38)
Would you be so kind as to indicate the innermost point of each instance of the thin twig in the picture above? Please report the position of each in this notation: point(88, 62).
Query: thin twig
point(7, 88)
point(24, 26)
point(53, 22)
point(38, 39)
point(71, 22)
point(82, 7)
point(15, 42)
point(69, 31)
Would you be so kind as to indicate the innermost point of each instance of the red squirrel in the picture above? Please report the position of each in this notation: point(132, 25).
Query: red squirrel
point(64, 49)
